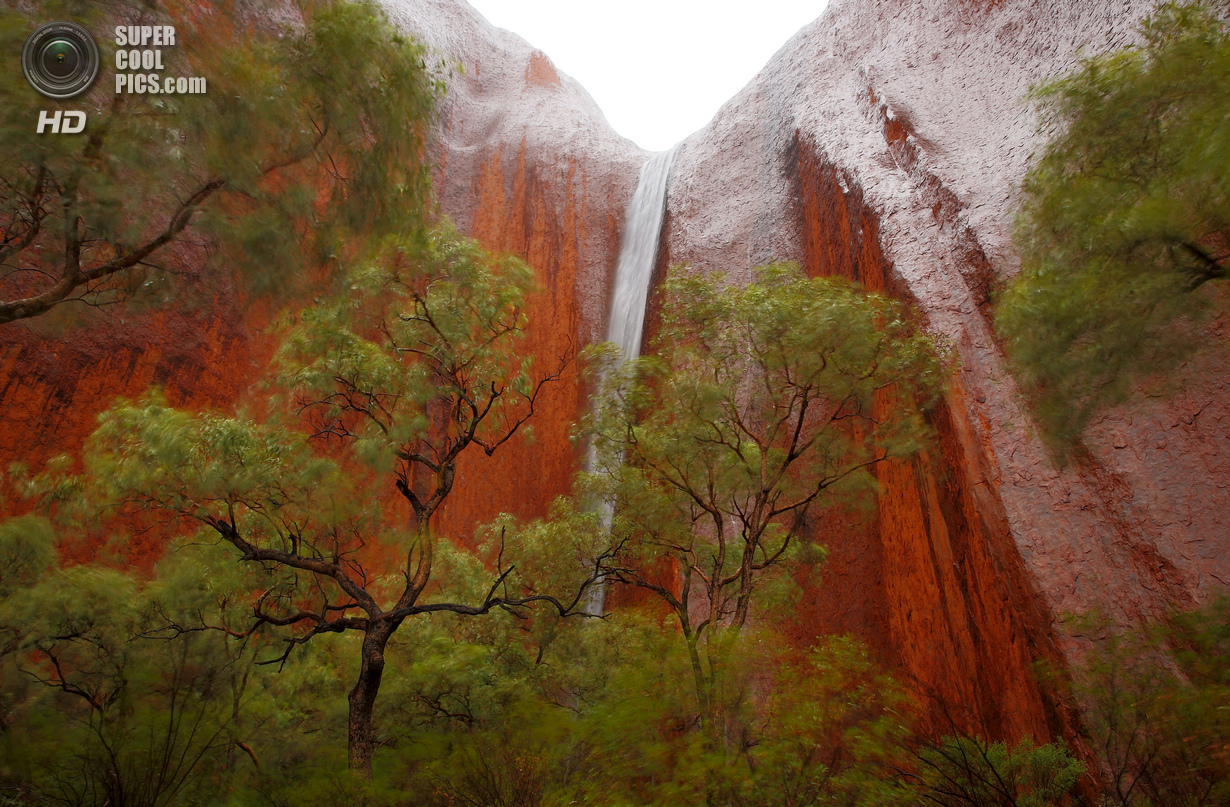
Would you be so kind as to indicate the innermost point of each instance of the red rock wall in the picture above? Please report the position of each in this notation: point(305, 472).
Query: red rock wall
point(934, 582)
point(52, 387)
point(54, 384)
point(546, 218)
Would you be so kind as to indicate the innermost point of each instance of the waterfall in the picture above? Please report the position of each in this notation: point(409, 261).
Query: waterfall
point(637, 255)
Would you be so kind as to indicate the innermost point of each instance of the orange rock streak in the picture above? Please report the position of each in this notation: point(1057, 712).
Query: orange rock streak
point(934, 582)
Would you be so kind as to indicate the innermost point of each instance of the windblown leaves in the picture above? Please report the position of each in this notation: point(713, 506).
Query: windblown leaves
point(1125, 221)
point(762, 403)
point(307, 146)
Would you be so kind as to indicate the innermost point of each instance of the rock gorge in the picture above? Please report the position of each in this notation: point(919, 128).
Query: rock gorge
point(883, 143)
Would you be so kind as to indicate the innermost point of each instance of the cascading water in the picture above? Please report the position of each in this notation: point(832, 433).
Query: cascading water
point(637, 255)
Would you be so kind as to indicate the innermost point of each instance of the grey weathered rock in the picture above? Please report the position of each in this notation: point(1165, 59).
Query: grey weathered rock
point(922, 105)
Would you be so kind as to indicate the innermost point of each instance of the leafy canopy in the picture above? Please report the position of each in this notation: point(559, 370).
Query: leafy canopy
point(379, 393)
point(308, 142)
point(1124, 225)
point(1157, 706)
point(762, 405)
point(966, 771)
point(111, 706)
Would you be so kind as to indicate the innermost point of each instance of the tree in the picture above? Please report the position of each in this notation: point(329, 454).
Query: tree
point(420, 363)
point(963, 771)
point(305, 139)
point(1124, 224)
point(107, 706)
point(603, 713)
point(760, 407)
point(1156, 703)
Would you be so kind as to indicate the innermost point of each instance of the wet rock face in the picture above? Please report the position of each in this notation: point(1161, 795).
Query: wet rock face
point(940, 590)
point(884, 143)
point(526, 163)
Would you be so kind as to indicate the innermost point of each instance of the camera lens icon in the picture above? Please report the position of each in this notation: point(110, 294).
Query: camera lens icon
point(60, 59)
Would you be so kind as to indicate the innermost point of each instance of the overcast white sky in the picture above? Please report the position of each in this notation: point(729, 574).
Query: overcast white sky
point(658, 68)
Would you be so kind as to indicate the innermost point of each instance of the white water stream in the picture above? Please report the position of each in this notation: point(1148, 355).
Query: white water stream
point(637, 255)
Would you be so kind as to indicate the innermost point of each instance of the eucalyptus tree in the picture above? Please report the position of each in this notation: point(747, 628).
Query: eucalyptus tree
point(760, 407)
point(309, 134)
point(100, 704)
point(389, 387)
point(1124, 226)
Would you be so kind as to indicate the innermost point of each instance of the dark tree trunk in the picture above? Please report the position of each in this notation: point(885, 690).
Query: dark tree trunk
point(363, 699)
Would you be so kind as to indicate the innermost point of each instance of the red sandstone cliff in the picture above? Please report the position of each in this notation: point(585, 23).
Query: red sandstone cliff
point(884, 142)
point(526, 163)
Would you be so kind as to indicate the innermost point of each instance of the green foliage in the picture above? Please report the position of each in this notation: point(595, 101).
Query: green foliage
point(109, 704)
point(1124, 221)
point(767, 391)
point(762, 405)
point(970, 772)
point(835, 721)
point(475, 712)
point(604, 714)
point(1157, 704)
point(799, 729)
point(432, 328)
point(27, 551)
point(306, 146)
point(781, 351)
point(377, 394)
